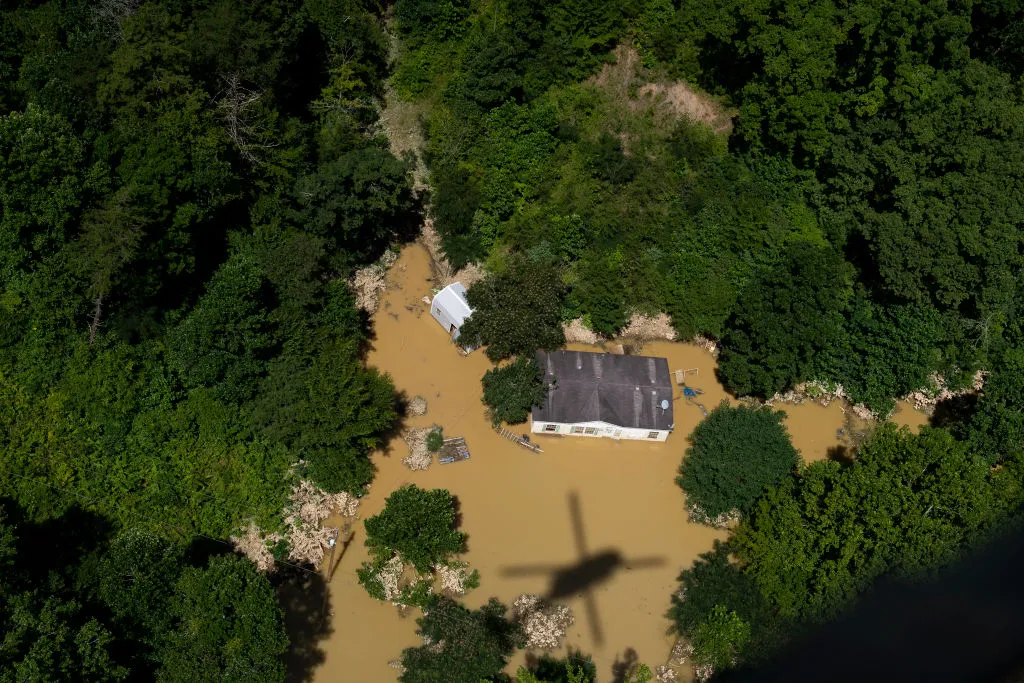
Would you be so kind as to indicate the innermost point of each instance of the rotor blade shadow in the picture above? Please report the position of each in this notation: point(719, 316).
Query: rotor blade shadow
point(576, 514)
point(529, 570)
point(643, 562)
point(594, 620)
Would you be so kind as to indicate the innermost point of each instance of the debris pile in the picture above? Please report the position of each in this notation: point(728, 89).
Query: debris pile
point(419, 457)
point(649, 328)
point(306, 537)
point(370, 282)
point(544, 624)
point(417, 406)
point(454, 578)
point(578, 333)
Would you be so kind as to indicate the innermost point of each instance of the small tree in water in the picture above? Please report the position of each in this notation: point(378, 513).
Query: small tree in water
point(717, 641)
point(512, 391)
point(435, 439)
point(737, 454)
point(460, 645)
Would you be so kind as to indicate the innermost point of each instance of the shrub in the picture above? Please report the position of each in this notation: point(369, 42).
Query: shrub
point(516, 312)
point(435, 439)
point(737, 454)
point(418, 524)
point(512, 391)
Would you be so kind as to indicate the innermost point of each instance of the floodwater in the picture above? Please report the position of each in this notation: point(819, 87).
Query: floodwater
point(515, 505)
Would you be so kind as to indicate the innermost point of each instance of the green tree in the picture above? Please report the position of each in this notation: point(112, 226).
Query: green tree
point(360, 203)
point(786, 317)
point(576, 668)
point(908, 504)
point(511, 391)
point(344, 412)
point(229, 626)
point(717, 641)
point(435, 439)
point(474, 645)
point(41, 186)
point(136, 579)
point(419, 525)
point(224, 341)
point(50, 638)
point(515, 311)
point(737, 454)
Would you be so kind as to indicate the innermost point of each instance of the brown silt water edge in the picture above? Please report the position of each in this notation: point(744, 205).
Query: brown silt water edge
point(587, 517)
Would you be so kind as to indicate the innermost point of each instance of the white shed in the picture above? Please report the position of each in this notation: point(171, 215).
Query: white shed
point(450, 307)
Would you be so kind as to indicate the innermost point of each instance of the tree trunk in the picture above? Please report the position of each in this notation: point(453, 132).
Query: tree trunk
point(96, 319)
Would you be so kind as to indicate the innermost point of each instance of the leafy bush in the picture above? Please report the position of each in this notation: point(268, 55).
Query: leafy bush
point(788, 316)
point(737, 454)
point(435, 439)
point(473, 645)
point(510, 392)
point(516, 311)
point(418, 524)
point(717, 641)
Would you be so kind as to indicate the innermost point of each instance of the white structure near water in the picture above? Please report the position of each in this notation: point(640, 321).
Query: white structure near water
point(450, 308)
point(601, 394)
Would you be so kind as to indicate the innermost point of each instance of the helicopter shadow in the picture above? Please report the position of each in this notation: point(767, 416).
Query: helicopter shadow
point(586, 574)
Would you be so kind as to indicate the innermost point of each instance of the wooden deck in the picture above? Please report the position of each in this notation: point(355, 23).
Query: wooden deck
point(520, 440)
point(453, 450)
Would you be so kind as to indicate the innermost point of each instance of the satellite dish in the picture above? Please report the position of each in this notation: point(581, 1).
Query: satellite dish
point(664, 404)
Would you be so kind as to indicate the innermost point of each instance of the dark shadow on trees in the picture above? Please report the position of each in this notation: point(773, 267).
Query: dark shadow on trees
point(55, 544)
point(954, 410)
point(457, 509)
point(548, 668)
point(302, 79)
point(841, 454)
point(959, 625)
point(303, 598)
point(622, 665)
point(201, 549)
point(392, 435)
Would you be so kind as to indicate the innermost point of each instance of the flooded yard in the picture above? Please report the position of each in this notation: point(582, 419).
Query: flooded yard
point(516, 505)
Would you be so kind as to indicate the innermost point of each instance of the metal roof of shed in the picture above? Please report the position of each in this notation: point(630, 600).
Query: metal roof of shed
point(453, 299)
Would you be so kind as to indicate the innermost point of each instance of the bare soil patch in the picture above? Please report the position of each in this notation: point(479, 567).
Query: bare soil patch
point(628, 82)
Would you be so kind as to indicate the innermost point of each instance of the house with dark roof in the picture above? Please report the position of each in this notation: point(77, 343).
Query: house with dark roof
point(601, 394)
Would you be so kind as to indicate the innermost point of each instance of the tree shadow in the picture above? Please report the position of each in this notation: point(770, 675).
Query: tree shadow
point(457, 510)
point(303, 598)
point(841, 454)
point(622, 666)
point(57, 543)
point(390, 436)
point(954, 410)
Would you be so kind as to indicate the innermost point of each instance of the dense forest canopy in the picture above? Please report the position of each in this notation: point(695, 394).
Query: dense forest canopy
point(185, 188)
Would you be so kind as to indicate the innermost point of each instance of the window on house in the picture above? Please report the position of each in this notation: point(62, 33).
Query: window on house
point(576, 430)
point(590, 430)
point(550, 428)
point(652, 435)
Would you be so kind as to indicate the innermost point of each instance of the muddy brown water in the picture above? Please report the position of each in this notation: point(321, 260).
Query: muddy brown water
point(515, 505)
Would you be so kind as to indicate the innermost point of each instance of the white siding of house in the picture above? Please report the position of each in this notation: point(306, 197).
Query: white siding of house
point(599, 429)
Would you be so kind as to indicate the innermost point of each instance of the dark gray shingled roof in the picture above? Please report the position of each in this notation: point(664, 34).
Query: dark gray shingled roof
point(625, 391)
